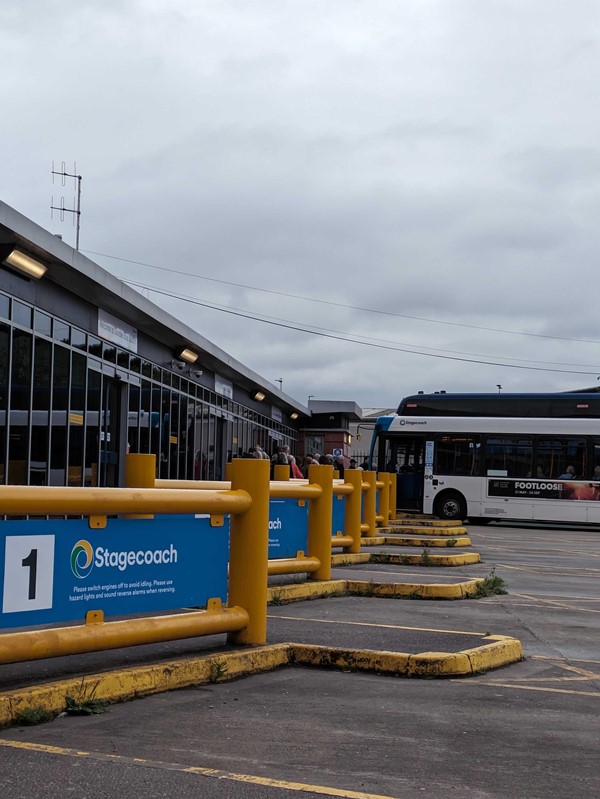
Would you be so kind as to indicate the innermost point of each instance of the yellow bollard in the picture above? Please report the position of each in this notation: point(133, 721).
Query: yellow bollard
point(228, 471)
point(353, 508)
point(320, 512)
point(281, 471)
point(249, 550)
point(384, 499)
point(393, 484)
point(140, 472)
point(369, 507)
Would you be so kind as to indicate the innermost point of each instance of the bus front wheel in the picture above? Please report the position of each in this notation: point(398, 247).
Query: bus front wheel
point(450, 506)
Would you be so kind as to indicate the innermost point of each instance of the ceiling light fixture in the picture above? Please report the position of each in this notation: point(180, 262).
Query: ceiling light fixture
point(258, 396)
point(188, 355)
point(294, 415)
point(25, 264)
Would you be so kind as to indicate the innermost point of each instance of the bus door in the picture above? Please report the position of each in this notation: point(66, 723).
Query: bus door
point(405, 455)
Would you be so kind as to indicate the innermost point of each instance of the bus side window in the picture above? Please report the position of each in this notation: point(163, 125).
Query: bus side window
point(509, 455)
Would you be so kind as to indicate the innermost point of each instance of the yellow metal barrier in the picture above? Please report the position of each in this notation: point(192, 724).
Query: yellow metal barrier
point(245, 620)
point(249, 549)
point(96, 636)
point(319, 519)
point(298, 565)
point(384, 498)
point(281, 471)
point(140, 472)
point(353, 477)
point(102, 502)
point(369, 489)
point(284, 488)
point(393, 495)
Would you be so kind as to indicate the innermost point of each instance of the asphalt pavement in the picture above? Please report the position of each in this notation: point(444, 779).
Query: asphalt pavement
point(527, 729)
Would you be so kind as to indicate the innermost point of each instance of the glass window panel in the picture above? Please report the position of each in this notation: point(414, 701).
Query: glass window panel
point(145, 416)
point(94, 346)
point(562, 458)
point(60, 388)
point(110, 353)
point(456, 454)
point(42, 323)
point(92, 428)
point(123, 359)
point(79, 339)
point(146, 369)
point(21, 314)
point(4, 367)
point(509, 456)
point(4, 306)
point(42, 371)
point(133, 419)
point(40, 439)
point(58, 450)
point(20, 393)
point(79, 370)
point(135, 364)
point(62, 331)
point(21, 370)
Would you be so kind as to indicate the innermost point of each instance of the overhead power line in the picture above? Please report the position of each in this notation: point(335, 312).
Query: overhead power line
point(341, 304)
point(347, 337)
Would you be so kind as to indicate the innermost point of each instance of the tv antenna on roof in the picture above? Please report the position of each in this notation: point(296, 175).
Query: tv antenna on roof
point(76, 211)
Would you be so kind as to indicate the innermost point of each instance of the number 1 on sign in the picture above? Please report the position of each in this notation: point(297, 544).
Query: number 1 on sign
point(31, 562)
point(28, 573)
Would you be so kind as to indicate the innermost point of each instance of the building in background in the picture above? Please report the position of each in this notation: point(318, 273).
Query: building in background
point(90, 369)
point(361, 431)
point(328, 428)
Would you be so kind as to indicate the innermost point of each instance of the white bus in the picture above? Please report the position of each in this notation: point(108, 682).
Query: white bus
point(487, 468)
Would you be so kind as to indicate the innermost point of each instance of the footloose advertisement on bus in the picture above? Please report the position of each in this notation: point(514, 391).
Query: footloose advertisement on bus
point(544, 489)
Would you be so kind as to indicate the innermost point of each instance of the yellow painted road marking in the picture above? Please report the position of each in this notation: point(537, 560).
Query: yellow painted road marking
point(595, 694)
point(560, 662)
point(199, 770)
point(356, 572)
point(372, 624)
point(579, 597)
point(554, 604)
point(540, 569)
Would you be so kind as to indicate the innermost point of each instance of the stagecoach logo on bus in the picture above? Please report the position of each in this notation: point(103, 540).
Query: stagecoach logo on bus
point(544, 489)
point(84, 558)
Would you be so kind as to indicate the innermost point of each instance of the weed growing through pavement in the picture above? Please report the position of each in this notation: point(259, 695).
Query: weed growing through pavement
point(33, 715)
point(425, 558)
point(218, 669)
point(86, 704)
point(451, 542)
point(492, 584)
point(276, 598)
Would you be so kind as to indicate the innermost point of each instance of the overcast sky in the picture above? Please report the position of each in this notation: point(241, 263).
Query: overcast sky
point(428, 170)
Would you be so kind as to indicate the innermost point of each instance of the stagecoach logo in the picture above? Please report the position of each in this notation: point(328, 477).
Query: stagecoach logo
point(83, 558)
point(411, 422)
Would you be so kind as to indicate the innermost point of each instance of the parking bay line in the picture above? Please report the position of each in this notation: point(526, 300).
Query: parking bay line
point(196, 770)
point(520, 687)
point(373, 624)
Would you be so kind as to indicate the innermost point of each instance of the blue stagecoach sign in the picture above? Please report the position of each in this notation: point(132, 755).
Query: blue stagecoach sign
point(55, 571)
point(288, 528)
